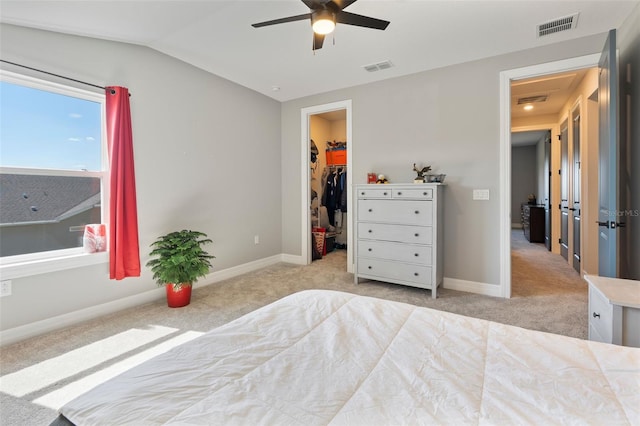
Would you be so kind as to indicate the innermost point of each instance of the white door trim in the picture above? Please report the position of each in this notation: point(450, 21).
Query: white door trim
point(506, 77)
point(305, 114)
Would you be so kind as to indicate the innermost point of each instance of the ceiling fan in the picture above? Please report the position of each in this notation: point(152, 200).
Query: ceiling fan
point(324, 16)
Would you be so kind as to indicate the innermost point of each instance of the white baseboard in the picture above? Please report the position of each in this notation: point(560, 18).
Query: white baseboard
point(234, 271)
point(290, 258)
point(22, 332)
point(472, 287)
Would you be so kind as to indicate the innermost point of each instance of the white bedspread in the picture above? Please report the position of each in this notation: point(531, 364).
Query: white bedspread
point(322, 357)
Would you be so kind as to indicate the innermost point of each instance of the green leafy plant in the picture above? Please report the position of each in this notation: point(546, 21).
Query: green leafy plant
point(179, 259)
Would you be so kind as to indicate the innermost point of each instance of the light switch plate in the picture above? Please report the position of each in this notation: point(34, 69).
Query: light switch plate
point(5, 288)
point(481, 194)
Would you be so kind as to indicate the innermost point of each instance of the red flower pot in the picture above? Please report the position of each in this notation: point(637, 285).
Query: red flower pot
point(178, 295)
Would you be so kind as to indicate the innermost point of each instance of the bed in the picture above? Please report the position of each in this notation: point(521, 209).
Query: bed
point(323, 357)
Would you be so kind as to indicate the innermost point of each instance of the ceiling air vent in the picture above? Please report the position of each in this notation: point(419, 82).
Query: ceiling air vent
point(532, 99)
point(561, 24)
point(379, 66)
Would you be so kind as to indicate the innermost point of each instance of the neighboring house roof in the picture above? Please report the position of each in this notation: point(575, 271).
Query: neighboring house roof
point(33, 198)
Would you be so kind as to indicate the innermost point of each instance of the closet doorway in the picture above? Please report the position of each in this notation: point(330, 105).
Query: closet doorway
point(326, 181)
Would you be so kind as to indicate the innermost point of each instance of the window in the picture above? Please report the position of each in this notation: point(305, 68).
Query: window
point(52, 168)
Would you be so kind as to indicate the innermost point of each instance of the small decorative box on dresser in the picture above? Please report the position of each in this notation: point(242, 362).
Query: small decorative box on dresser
point(614, 310)
point(399, 234)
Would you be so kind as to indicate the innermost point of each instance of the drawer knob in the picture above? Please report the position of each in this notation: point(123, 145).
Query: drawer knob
point(424, 193)
point(384, 193)
point(399, 193)
point(370, 231)
point(370, 210)
point(416, 255)
point(370, 249)
point(416, 235)
point(369, 267)
point(416, 274)
point(417, 212)
point(362, 193)
point(596, 315)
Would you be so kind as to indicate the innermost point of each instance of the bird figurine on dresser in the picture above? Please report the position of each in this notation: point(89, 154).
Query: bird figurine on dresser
point(420, 178)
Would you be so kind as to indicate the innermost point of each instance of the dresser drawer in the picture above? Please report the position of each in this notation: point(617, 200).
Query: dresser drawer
point(395, 251)
point(374, 192)
point(399, 233)
point(396, 211)
point(600, 317)
point(384, 270)
point(412, 193)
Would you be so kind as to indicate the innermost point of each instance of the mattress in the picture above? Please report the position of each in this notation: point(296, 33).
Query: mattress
point(323, 357)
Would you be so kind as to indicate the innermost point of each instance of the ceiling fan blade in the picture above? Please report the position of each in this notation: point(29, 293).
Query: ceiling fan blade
point(318, 40)
point(360, 20)
point(282, 20)
point(315, 4)
point(342, 4)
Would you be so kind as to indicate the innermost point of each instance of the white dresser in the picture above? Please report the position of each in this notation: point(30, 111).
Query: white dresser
point(614, 310)
point(399, 234)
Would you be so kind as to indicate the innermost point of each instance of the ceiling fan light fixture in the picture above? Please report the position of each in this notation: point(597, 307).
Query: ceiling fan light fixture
point(323, 22)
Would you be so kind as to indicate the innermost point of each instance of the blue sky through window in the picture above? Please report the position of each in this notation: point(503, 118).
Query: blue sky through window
point(40, 129)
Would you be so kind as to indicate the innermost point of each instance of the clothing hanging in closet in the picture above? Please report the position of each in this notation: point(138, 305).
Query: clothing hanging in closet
point(334, 196)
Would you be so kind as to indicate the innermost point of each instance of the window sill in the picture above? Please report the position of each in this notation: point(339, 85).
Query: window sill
point(28, 268)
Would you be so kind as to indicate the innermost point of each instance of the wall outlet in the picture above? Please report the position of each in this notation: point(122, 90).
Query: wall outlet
point(481, 194)
point(256, 239)
point(5, 288)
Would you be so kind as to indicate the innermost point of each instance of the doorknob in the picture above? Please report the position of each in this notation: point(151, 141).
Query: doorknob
point(611, 224)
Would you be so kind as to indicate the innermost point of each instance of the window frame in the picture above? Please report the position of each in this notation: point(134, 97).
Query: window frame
point(24, 265)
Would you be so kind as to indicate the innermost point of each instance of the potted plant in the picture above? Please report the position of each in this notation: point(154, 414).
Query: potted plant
point(178, 261)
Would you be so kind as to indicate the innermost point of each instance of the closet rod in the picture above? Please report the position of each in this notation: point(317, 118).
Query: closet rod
point(58, 75)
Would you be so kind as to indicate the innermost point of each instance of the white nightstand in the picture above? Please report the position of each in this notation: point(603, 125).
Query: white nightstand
point(614, 310)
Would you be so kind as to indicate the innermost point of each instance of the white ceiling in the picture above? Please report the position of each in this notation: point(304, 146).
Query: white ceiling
point(216, 35)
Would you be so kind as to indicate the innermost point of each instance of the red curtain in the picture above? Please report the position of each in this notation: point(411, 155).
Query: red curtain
point(124, 251)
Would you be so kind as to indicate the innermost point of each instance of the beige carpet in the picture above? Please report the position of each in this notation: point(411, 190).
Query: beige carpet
point(548, 295)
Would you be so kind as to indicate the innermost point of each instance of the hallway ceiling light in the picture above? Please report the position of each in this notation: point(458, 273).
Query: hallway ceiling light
point(528, 107)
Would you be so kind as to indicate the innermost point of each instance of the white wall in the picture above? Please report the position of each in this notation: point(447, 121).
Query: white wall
point(447, 118)
point(207, 155)
point(320, 130)
point(524, 178)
